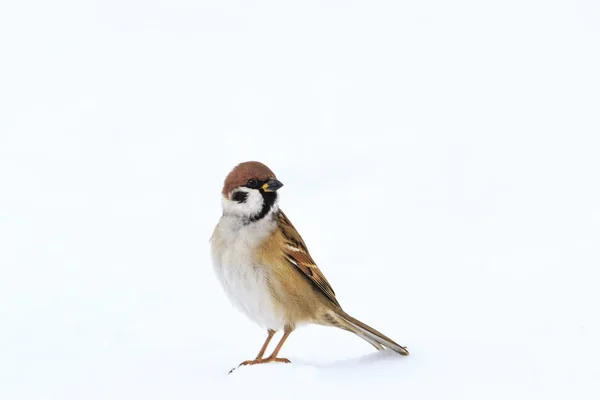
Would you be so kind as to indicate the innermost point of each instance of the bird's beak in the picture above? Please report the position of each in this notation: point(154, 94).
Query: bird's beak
point(272, 185)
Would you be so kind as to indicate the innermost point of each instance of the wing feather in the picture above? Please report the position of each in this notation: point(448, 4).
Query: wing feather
point(296, 253)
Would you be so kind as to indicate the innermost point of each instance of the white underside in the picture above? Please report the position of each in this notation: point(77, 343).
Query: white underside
point(244, 281)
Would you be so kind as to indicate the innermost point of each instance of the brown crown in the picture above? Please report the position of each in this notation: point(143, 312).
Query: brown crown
point(242, 172)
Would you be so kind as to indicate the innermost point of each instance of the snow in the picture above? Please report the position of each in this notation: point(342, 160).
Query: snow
point(439, 158)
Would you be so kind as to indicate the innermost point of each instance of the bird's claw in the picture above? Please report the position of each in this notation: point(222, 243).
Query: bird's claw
point(261, 361)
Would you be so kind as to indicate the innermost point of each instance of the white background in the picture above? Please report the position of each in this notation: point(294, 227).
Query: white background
point(441, 160)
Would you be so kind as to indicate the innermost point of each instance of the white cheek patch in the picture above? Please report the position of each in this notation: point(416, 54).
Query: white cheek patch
point(251, 207)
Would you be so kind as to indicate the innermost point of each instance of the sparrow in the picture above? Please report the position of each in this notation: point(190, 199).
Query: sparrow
point(266, 270)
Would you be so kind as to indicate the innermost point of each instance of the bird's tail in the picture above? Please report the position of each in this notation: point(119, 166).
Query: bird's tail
point(377, 339)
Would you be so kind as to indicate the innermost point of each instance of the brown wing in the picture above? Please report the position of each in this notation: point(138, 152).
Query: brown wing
point(297, 254)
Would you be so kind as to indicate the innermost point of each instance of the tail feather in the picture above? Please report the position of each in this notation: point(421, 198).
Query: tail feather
point(371, 335)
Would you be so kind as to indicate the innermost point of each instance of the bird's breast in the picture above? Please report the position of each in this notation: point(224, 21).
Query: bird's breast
point(245, 281)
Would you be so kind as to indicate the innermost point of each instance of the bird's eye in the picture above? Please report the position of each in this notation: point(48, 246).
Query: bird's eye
point(252, 183)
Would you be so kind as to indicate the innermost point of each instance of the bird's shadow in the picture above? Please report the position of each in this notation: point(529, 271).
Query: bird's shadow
point(377, 357)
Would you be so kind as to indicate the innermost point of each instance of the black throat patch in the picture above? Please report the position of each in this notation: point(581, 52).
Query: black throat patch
point(269, 199)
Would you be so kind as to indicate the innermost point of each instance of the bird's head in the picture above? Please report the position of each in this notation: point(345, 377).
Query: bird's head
point(250, 191)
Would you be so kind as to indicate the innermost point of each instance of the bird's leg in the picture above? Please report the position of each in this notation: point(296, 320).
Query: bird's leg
point(258, 358)
point(264, 347)
point(273, 357)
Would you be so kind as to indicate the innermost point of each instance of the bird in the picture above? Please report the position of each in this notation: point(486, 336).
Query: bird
point(265, 269)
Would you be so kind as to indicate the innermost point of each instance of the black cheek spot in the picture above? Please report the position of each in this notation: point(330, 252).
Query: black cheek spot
point(240, 197)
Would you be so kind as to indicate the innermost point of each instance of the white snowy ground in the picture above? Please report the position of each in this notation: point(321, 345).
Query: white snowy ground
point(441, 159)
